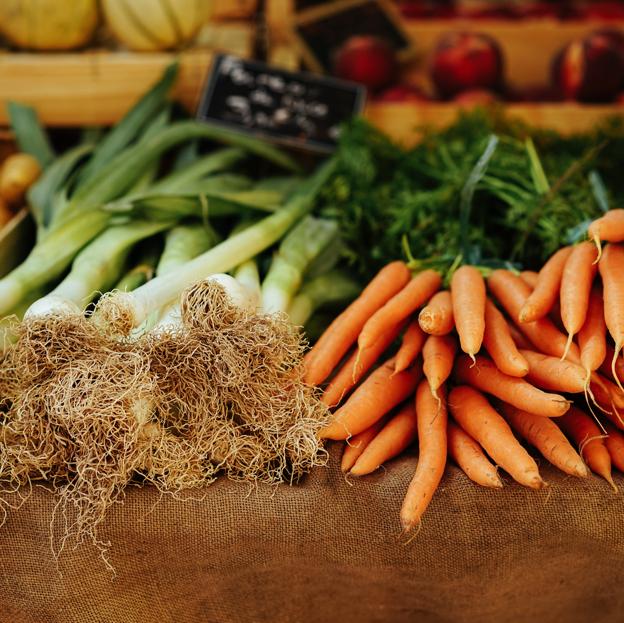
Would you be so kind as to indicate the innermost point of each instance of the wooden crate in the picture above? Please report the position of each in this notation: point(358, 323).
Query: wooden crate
point(97, 87)
point(234, 9)
point(403, 122)
point(528, 47)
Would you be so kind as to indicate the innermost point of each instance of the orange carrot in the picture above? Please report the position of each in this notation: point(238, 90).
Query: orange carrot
point(431, 418)
point(438, 357)
point(468, 295)
point(530, 278)
point(358, 364)
point(499, 343)
point(553, 374)
point(615, 446)
point(400, 306)
point(358, 443)
point(519, 340)
point(413, 341)
point(486, 377)
point(546, 289)
point(468, 454)
point(547, 437)
point(584, 432)
point(379, 393)
point(436, 318)
point(576, 284)
point(608, 397)
point(344, 330)
point(605, 367)
point(592, 337)
point(478, 418)
point(609, 228)
point(512, 293)
point(612, 271)
point(400, 431)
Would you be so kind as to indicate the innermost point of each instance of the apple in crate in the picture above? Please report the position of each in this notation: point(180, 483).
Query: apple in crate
point(466, 60)
point(371, 61)
point(591, 69)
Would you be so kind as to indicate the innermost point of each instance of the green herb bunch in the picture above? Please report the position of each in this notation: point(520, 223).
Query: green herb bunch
point(488, 189)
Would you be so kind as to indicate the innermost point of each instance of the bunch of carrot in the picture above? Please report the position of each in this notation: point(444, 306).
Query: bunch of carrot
point(503, 354)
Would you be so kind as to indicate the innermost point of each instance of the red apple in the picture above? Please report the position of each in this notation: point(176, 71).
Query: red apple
point(368, 60)
point(402, 93)
point(590, 69)
point(464, 60)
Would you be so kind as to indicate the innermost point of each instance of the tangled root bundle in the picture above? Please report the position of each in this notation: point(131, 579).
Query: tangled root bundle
point(89, 411)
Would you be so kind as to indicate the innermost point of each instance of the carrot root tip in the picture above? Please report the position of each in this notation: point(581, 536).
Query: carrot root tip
point(598, 248)
point(567, 346)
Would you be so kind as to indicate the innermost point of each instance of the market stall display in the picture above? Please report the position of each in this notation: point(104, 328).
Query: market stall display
point(410, 338)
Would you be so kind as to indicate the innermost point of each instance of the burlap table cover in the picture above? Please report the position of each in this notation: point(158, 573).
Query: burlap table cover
point(328, 551)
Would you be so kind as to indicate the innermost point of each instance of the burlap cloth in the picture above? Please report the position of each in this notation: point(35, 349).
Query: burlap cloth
point(327, 551)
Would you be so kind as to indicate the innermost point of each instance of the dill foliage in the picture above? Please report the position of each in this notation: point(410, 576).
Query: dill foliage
point(489, 189)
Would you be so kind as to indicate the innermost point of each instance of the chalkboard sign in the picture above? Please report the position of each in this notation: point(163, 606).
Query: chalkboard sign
point(321, 30)
point(294, 108)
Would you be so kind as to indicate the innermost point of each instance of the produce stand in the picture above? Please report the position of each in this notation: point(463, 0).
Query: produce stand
point(328, 550)
point(162, 444)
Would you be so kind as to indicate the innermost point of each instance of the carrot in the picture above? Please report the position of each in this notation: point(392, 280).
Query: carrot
point(400, 306)
point(478, 418)
point(584, 432)
point(468, 454)
point(438, 357)
point(400, 431)
point(615, 446)
point(358, 443)
point(436, 318)
point(530, 278)
point(379, 393)
point(413, 341)
point(592, 337)
point(486, 377)
point(576, 284)
point(343, 331)
point(468, 295)
point(605, 367)
point(611, 271)
point(553, 374)
point(512, 293)
point(547, 437)
point(607, 396)
point(431, 419)
point(499, 343)
point(609, 228)
point(354, 369)
point(519, 340)
point(546, 289)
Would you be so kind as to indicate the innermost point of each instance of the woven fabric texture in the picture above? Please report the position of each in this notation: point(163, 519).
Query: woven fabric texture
point(328, 551)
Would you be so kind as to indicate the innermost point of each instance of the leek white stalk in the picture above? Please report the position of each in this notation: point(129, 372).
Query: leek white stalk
point(182, 244)
point(136, 306)
point(332, 287)
point(50, 257)
point(96, 268)
point(298, 249)
point(247, 275)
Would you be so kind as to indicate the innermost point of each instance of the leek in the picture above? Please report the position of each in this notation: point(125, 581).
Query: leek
point(50, 257)
point(30, 136)
point(298, 249)
point(96, 268)
point(129, 127)
point(136, 306)
point(144, 268)
point(183, 243)
point(332, 287)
